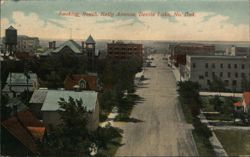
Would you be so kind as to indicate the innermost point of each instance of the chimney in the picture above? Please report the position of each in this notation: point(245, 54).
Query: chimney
point(50, 45)
point(54, 45)
point(83, 45)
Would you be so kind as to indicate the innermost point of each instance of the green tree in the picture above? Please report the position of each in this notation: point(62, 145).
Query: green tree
point(217, 103)
point(189, 95)
point(245, 84)
point(71, 137)
point(217, 85)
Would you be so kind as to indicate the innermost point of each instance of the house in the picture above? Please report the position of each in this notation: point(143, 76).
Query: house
point(81, 81)
point(19, 82)
point(22, 132)
point(244, 104)
point(50, 106)
point(36, 102)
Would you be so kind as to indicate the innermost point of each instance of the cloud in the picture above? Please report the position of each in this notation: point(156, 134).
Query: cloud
point(203, 26)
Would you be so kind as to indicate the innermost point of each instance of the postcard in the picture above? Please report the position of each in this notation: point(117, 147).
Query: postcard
point(125, 77)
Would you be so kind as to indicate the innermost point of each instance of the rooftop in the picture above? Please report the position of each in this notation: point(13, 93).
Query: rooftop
point(21, 79)
point(246, 96)
point(90, 40)
point(19, 128)
point(89, 99)
point(75, 47)
point(38, 96)
point(217, 56)
point(72, 80)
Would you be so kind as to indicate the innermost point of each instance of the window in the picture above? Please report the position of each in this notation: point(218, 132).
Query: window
point(206, 65)
point(235, 66)
point(213, 73)
point(243, 75)
point(242, 66)
point(208, 82)
point(213, 65)
point(221, 65)
point(82, 84)
point(206, 74)
point(226, 82)
point(221, 74)
point(229, 66)
point(234, 83)
point(201, 77)
point(194, 65)
point(229, 74)
point(236, 75)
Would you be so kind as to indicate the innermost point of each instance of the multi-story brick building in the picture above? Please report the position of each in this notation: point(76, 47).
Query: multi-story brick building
point(123, 51)
point(27, 44)
point(179, 51)
point(231, 70)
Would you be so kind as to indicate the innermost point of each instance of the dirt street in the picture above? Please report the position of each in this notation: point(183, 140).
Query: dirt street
point(163, 131)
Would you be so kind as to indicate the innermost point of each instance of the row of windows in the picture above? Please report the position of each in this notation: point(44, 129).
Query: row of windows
point(228, 74)
point(226, 82)
point(119, 48)
point(229, 66)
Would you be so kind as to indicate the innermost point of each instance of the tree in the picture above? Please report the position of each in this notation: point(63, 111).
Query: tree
point(217, 85)
point(189, 95)
point(217, 103)
point(245, 84)
point(201, 128)
point(71, 137)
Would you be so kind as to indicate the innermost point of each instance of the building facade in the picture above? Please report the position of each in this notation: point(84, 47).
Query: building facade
point(27, 44)
point(122, 51)
point(238, 51)
point(231, 70)
point(50, 106)
point(180, 51)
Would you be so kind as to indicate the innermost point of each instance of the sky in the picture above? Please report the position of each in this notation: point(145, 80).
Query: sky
point(214, 20)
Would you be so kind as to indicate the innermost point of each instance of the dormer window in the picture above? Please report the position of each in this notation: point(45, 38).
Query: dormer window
point(82, 84)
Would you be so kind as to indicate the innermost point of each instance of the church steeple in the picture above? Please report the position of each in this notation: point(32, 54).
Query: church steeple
point(90, 49)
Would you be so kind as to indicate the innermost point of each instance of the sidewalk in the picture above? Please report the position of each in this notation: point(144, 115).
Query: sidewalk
point(220, 94)
point(218, 148)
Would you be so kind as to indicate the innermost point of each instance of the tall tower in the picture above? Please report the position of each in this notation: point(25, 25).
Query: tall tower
point(90, 50)
point(10, 40)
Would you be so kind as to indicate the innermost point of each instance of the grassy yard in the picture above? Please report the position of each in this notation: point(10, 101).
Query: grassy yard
point(203, 145)
point(235, 142)
point(226, 109)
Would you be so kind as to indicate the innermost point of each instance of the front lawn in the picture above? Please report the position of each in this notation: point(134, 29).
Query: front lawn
point(235, 142)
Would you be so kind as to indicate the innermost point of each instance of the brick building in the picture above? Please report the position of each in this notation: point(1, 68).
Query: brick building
point(122, 51)
point(180, 51)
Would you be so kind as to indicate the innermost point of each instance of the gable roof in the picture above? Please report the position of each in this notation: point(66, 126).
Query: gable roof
point(238, 104)
point(76, 48)
point(89, 99)
point(21, 79)
point(38, 96)
point(72, 80)
point(246, 97)
point(90, 40)
point(18, 125)
point(11, 28)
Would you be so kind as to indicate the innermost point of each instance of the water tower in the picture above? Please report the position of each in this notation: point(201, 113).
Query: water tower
point(10, 40)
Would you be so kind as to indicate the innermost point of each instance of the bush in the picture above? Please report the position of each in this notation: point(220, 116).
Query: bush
point(201, 129)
